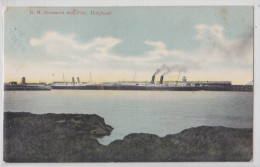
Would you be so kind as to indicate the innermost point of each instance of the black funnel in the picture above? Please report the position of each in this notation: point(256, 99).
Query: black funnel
point(153, 78)
point(161, 80)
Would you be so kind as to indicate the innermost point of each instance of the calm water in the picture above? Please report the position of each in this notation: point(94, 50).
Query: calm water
point(156, 112)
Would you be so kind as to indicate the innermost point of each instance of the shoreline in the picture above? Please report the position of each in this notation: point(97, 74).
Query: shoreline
point(73, 138)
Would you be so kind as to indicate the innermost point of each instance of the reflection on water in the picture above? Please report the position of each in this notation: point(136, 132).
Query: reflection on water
point(157, 112)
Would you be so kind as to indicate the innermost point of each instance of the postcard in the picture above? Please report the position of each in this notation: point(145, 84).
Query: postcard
point(128, 84)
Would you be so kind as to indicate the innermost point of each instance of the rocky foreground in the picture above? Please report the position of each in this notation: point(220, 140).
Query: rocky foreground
point(72, 138)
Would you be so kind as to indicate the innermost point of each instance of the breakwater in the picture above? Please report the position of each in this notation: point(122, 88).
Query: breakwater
point(26, 88)
point(246, 88)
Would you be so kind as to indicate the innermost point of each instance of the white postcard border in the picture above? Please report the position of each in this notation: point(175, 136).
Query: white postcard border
point(90, 3)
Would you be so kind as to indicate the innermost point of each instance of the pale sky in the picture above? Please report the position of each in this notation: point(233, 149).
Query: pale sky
point(204, 43)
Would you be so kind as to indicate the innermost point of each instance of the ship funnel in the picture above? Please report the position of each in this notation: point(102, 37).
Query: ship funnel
point(153, 78)
point(73, 80)
point(78, 80)
point(161, 80)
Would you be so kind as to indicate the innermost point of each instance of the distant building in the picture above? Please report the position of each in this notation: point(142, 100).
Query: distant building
point(23, 81)
point(184, 79)
point(13, 83)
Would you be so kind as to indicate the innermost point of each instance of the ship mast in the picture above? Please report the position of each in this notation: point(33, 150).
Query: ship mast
point(178, 77)
point(134, 77)
point(90, 77)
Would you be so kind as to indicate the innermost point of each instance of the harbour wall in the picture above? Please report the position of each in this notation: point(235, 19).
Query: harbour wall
point(248, 88)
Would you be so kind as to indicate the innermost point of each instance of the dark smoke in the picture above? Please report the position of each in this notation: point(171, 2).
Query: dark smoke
point(157, 71)
point(165, 69)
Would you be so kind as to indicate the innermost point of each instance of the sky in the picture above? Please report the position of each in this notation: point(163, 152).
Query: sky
point(129, 44)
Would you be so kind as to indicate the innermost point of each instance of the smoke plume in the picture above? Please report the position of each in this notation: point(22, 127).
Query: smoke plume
point(165, 69)
point(157, 71)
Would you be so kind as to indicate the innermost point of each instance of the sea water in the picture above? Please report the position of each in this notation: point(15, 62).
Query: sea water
point(155, 112)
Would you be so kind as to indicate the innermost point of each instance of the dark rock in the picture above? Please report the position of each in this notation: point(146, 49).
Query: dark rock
point(195, 144)
point(52, 137)
point(72, 138)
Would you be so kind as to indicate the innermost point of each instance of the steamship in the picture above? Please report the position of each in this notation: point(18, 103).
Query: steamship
point(182, 85)
point(14, 86)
